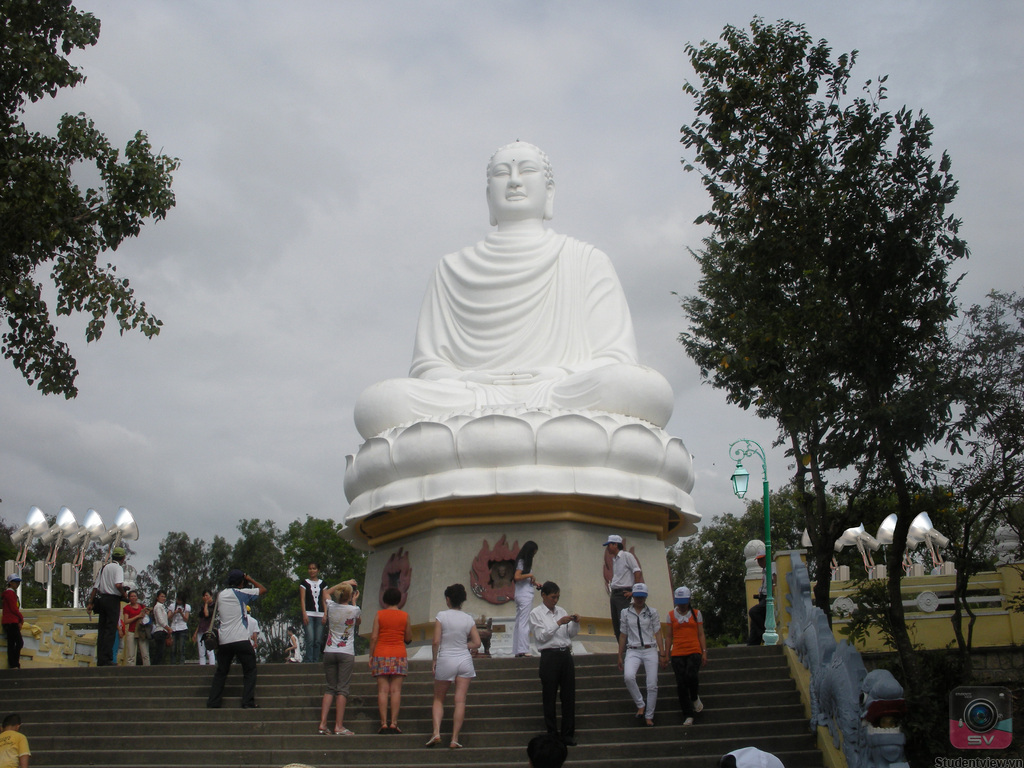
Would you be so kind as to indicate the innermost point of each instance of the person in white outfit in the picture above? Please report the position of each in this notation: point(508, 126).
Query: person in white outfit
point(455, 636)
point(641, 642)
point(526, 584)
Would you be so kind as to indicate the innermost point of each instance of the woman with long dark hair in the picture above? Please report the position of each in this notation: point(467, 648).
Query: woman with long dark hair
point(455, 635)
point(526, 583)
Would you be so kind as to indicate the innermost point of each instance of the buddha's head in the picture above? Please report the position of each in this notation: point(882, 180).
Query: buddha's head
point(520, 184)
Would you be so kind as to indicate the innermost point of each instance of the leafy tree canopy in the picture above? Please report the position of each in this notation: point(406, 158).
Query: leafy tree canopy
point(47, 221)
point(825, 291)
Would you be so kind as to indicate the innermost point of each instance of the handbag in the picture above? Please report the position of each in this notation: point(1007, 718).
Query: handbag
point(210, 639)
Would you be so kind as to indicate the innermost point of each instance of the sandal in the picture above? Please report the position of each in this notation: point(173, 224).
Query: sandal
point(383, 729)
point(394, 728)
point(434, 740)
point(455, 745)
point(324, 732)
point(344, 732)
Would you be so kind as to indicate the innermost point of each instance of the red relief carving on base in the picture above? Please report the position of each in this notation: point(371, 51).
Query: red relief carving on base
point(398, 574)
point(490, 576)
point(608, 558)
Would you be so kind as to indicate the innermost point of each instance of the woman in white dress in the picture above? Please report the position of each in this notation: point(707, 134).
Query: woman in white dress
point(526, 584)
point(455, 635)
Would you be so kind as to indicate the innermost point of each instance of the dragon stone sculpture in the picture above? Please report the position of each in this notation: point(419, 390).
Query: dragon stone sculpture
point(861, 709)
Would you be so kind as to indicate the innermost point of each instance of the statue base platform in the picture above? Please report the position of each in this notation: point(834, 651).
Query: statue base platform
point(429, 546)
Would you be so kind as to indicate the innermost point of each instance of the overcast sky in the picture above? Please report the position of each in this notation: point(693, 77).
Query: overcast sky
point(332, 152)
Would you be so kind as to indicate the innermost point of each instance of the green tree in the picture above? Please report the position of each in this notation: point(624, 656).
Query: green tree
point(711, 562)
point(989, 483)
point(47, 221)
point(825, 294)
point(185, 565)
point(259, 552)
point(319, 540)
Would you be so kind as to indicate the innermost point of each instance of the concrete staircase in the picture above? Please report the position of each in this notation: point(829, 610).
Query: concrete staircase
point(156, 717)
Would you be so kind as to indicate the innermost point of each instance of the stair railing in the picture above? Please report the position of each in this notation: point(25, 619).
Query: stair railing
point(861, 709)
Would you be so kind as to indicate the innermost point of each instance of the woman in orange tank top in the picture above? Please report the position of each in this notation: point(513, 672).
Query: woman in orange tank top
point(389, 662)
point(689, 653)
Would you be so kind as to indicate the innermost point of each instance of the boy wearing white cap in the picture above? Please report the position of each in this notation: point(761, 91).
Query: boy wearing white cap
point(641, 643)
point(625, 573)
point(689, 652)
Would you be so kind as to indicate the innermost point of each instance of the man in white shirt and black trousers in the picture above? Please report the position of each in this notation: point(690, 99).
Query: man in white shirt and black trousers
point(553, 629)
point(105, 599)
point(625, 573)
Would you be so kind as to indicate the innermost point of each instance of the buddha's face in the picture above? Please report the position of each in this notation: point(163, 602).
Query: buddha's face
point(517, 188)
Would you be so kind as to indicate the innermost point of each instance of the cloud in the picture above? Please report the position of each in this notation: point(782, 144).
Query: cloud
point(332, 152)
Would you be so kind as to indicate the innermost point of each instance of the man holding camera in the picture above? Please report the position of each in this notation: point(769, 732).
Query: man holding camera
point(234, 635)
point(554, 628)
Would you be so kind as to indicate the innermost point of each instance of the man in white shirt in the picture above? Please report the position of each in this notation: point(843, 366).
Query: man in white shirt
point(642, 643)
point(105, 599)
point(625, 573)
point(235, 638)
point(161, 627)
point(554, 628)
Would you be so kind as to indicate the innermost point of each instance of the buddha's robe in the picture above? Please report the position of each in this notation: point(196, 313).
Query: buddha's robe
point(521, 321)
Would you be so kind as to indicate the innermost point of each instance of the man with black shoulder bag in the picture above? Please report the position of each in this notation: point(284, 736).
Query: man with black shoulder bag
point(105, 600)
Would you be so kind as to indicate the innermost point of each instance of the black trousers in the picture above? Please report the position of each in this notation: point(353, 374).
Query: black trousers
point(618, 602)
point(686, 669)
point(246, 656)
point(14, 644)
point(108, 611)
point(159, 647)
point(757, 614)
point(558, 675)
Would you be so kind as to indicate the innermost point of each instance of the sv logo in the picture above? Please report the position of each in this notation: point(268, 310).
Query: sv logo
point(986, 740)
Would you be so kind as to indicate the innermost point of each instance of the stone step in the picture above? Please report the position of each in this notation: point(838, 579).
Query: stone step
point(138, 693)
point(717, 724)
point(479, 749)
point(93, 717)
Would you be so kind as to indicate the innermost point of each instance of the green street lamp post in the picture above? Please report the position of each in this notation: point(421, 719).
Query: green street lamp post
point(740, 479)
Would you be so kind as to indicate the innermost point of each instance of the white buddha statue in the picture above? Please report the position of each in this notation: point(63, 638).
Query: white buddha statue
point(526, 317)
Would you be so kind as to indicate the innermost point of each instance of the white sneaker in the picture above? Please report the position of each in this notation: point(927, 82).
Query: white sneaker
point(698, 706)
point(688, 721)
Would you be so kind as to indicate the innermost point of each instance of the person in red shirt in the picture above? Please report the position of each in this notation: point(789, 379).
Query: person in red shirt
point(389, 661)
point(131, 614)
point(13, 621)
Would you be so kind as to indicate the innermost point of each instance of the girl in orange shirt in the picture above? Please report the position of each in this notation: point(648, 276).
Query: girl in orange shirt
point(689, 652)
point(389, 662)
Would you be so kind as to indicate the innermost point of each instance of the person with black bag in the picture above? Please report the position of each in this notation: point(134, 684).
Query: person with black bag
point(204, 630)
point(233, 636)
point(105, 599)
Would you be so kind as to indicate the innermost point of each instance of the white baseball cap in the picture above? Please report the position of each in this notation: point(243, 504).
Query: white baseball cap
point(682, 595)
point(639, 589)
point(613, 538)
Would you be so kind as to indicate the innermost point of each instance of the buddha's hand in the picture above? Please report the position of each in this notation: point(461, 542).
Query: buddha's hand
point(524, 376)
